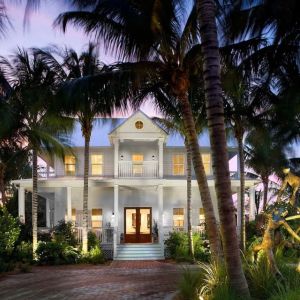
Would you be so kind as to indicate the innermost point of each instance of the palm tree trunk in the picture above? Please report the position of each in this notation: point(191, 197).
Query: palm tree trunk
point(242, 190)
point(189, 198)
point(265, 181)
point(2, 183)
point(210, 219)
point(34, 200)
point(85, 225)
point(215, 115)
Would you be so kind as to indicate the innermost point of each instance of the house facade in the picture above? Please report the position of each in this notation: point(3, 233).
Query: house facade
point(137, 186)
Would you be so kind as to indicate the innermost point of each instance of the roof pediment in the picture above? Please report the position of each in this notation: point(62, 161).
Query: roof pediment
point(138, 127)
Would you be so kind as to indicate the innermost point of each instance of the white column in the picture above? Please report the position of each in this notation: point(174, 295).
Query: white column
point(116, 215)
point(252, 208)
point(116, 158)
point(69, 203)
point(161, 158)
point(47, 213)
point(160, 191)
point(21, 204)
point(239, 209)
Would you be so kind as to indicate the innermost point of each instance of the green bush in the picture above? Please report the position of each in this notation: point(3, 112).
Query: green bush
point(9, 233)
point(64, 233)
point(54, 253)
point(94, 256)
point(24, 252)
point(177, 247)
point(93, 241)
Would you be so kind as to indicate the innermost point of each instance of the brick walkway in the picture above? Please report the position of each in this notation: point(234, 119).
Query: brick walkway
point(119, 280)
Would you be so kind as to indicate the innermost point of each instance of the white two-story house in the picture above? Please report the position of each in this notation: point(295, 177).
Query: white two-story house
point(137, 184)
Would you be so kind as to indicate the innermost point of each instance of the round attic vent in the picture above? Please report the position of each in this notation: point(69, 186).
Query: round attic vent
point(139, 125)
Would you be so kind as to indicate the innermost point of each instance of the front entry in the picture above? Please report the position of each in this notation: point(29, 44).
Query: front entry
point(138, 224)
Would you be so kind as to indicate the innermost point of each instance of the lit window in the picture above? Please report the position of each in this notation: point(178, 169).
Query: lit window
point(206, 158)
point(70, 165)
point(97, 218)
point(97, 164)
point(139, 125)
point(178, 164)
point(201, 216)
point(178, 217)
point(137, 164)
point(74, 216)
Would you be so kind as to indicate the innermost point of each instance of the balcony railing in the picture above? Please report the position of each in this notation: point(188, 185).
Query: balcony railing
point(145, 169)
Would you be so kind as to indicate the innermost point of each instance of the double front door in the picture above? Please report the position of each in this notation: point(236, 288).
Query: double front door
point(138, 225)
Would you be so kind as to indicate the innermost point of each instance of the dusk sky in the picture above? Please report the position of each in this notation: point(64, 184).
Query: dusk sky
point(40, 33)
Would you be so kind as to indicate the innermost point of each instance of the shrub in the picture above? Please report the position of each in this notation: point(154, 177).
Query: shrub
point(54, 253)
point(94, 256)
point(189, 284)
point(63, 233)
point(177, 247)
point(9, 233)
point(24, 252)
point(93, 241)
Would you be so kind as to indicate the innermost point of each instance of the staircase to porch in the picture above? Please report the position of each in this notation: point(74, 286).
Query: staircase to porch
point(139, 252)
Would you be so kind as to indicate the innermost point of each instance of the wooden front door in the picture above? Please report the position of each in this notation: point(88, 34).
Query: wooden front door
point(138, 224)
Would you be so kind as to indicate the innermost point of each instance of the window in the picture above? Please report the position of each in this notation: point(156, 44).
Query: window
point(70, 165)
point(178, 217)
point(139, 125)
point(201, 216)
point(97, 218)
point(178, 164)
point(206, 158)
point(97, 164)
point(137, 164)
point(74, 216)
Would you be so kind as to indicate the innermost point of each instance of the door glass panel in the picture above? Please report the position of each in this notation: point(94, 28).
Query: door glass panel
point(131, 221)
point(145, 215)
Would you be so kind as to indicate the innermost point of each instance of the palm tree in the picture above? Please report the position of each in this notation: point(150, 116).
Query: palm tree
point(173, 123)
point(265, 155)
point(87, 104)
point(41, 126)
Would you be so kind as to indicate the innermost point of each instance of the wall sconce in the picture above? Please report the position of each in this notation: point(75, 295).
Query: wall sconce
point(121, 156)
point(153, 157)
point(113, 219)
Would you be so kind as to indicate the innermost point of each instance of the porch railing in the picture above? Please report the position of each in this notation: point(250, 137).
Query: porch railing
point(148, 169)
point(196, 229)
point(105, 235)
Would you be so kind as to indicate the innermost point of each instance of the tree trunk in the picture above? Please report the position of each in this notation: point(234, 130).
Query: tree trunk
point(85, 225)
point(215, 115)
point(189, 198)
point(242, 190)
point(2, 183)
point(210, 219)
point(34, 201)
point(265, 181)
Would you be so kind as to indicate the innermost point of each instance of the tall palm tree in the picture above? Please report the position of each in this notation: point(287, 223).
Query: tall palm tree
point(86, 104)
point(41, 126)
point(172, 122)
point(163, 58)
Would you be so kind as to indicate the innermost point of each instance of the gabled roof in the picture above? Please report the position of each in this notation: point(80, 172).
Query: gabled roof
point(134, 115)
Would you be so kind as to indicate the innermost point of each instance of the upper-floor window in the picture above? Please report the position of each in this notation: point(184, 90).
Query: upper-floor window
point(97, 218)
point(206, 158)
point(178, 164)
point(139, 125)
point(70, 165)
point(96, 164)
point(137, 164)
point(178, 217)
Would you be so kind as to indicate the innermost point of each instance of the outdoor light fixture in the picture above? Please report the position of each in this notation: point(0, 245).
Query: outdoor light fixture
point(121, 156)
point(113, 219)
point(153, 157)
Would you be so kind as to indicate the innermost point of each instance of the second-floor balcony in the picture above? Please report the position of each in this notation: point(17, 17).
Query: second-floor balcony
point(143, 169)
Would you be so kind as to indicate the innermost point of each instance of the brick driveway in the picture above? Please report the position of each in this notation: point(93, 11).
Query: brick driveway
point(118, 280)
